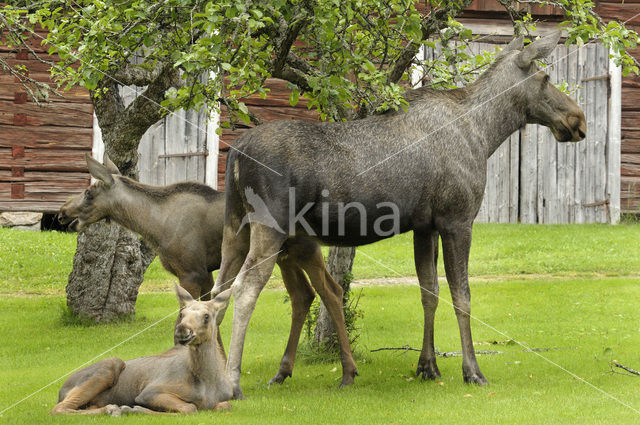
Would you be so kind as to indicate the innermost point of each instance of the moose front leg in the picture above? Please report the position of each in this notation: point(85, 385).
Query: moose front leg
point(265, 245)
point(156, 399)
point(425, 247)
point(456, 243)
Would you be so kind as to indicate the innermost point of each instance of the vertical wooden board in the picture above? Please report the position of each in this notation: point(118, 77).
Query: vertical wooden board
point(581, 148)
point(561, 207)
point(614, 141)
point(601, 118)
point(151, 166)
point(202, 146)
point(490, 188)
point(570, 149)
point(175, 144)
point(547, 148)
point(514, 177)
point(482, 216)
point(590, 158)
point(528, 174)
point(503, 182)
point(191, 134)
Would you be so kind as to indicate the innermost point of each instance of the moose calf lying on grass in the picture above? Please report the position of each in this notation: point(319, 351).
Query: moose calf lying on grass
point(187, 378)
point(183, 222)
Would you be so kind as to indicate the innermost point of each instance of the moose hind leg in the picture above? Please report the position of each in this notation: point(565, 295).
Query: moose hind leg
point(84, 385)
point(425, 247)
point(331, 294)
point(456, 243)
point(302, 296)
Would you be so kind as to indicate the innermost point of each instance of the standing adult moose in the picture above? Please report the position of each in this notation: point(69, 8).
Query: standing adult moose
point(428, 162)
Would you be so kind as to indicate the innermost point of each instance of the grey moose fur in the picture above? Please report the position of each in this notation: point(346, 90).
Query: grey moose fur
point(184, 222)
point(429, 161)
point(187, 378)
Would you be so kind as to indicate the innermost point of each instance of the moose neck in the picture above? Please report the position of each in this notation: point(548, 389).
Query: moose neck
point(138, 212)
point(204, 362)
point(494, 109)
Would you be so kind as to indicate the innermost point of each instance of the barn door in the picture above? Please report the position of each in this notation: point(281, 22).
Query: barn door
point(533, 179)
point(175, 149)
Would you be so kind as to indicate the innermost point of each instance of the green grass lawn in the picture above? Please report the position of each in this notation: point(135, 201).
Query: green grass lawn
point(39, 263)
point(581, 293)
point(589, 315)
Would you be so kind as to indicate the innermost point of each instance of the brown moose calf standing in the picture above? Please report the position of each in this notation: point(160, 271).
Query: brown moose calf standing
point(189, 377)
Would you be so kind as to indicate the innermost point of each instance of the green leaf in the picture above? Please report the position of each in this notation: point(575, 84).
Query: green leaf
point(294, 95)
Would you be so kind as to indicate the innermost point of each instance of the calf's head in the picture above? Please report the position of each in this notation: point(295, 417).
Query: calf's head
point(197, 319)
point(543, 103)
point(94, 203)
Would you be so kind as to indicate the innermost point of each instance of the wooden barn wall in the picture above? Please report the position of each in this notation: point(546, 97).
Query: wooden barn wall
point(532, 178)
point(274, 107)
point(42, 147)
point(630, 159)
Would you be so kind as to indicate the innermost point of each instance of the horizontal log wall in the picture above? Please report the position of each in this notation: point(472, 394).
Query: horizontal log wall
point(274, 107)
point(628, 10)
point(42, 146)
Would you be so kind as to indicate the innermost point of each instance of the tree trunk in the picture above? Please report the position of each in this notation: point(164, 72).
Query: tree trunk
point(339, 261)
point(108, 267)
point(110, 261)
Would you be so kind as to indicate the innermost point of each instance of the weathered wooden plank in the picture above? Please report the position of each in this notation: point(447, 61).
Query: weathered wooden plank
point(174, 143)
point(566, 151)
point(614, 142)
point(45, 159)
point(528, 174)
point(55, 114)
point(578, 211)
point(591, 140)
point(34, 206)
point(514, 177)
point(549, 147)
point(46, 137)
point(152, 168)
point(503, 181)
point(599, 163)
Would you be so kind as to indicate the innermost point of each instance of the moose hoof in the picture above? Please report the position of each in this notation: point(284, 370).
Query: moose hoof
point(280, 377)
point(428, 370)
point(237, 394)
point(347, 379)
point(223, 405)
point(113, 410)
point(474, 378)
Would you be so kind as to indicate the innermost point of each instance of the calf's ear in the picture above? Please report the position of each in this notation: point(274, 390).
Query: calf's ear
point(221, 300)
point(183, 296)
point(515, 44)
point(113, 169)
point(541, 48)
point(99, 171)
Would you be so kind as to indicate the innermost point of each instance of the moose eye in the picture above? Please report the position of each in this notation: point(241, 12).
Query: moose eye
point(180, 316)
point(206, 318)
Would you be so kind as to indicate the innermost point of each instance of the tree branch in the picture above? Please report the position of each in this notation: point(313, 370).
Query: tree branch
point(434, 22)
point(138, 75)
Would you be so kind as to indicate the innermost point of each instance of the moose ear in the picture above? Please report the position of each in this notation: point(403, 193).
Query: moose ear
point(541, 48)
point(515, 44)
point(183, 296)
point(221, 300)
point(99, 171)
point(113, 169)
